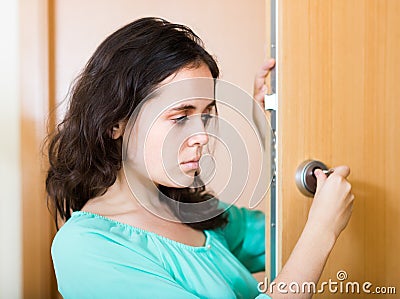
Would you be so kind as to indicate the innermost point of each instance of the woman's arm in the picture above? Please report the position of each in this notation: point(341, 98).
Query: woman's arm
point(328, 216)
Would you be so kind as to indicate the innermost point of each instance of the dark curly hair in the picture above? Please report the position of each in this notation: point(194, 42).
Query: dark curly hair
point(126, 67)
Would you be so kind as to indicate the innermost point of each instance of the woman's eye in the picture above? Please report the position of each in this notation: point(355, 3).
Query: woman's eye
point(181, 119)
point(206, 117)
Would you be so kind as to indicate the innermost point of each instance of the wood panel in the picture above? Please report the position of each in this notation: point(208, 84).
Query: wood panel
point(339, 103)
point(37, 226)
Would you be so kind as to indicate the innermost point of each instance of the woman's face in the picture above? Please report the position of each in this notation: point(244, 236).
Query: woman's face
point(170, 132)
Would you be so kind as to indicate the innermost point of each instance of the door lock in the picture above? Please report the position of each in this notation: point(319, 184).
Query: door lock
point(305, 178)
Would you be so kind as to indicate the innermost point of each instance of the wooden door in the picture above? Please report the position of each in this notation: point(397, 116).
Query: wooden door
point(338, 74)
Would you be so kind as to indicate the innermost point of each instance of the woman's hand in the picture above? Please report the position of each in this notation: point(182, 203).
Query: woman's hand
point(260, 89)
point(328, 216)
point(333, 202)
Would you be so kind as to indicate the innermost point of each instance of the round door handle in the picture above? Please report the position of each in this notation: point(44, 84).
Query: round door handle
point(305, 178)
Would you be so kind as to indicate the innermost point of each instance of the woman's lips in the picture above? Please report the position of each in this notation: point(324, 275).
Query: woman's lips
point(191, 165)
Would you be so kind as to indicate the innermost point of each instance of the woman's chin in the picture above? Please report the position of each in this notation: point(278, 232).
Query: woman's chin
point(183, 182)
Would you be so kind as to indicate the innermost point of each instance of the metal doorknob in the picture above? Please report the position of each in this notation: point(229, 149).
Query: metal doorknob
point(305, 178)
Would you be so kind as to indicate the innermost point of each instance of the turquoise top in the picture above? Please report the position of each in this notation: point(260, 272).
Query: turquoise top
point(96, 257)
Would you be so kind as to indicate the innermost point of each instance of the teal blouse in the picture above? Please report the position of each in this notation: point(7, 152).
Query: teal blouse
point(96, 257)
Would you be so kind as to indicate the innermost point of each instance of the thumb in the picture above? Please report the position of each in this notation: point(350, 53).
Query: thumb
point(321, 178)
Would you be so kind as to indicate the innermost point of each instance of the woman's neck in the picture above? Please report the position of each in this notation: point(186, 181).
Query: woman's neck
point(127, 196)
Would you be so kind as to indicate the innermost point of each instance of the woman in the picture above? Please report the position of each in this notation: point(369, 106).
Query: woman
point(112, 245)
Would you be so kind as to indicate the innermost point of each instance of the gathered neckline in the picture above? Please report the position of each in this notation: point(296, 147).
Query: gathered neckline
point(206, 246)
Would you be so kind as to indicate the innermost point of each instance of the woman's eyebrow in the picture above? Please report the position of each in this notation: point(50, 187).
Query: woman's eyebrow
point(185, 107)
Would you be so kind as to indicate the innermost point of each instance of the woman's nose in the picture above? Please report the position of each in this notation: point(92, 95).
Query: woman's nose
point(198, 139)
point(199, 136)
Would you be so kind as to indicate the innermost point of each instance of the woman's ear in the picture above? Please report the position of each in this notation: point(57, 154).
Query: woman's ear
point(118, 130)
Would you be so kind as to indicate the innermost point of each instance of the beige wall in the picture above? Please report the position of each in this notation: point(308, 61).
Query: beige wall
point(234, 31)
point(10, 198)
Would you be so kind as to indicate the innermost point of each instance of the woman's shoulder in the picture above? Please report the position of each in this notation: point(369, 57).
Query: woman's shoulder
point(243, 223)
point(240, 217)
point(96, 235)
point(84, 224)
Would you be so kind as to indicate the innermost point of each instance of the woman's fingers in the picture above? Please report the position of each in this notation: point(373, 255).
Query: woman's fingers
point(262, 73)
point(321, 178)
point(260, 88)
point(342, 170)
point(333, 201)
